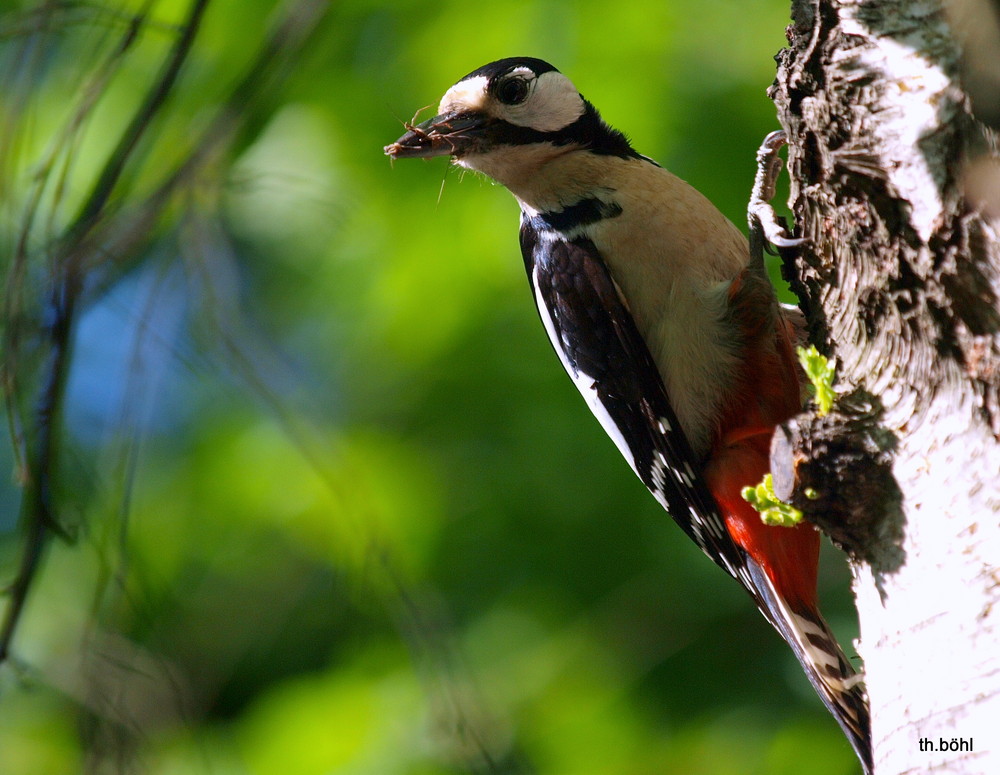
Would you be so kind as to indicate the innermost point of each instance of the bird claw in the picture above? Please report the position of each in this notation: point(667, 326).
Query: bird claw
point(760, 213)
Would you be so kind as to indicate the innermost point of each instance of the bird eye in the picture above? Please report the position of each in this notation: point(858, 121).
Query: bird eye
point(513, 91)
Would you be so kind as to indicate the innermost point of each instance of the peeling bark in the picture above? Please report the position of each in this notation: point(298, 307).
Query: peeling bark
point(900, 282)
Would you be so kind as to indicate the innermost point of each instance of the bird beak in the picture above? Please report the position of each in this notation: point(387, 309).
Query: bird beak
point(450, 134)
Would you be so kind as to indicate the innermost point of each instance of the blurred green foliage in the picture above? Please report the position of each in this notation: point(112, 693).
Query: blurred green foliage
point(336, 509)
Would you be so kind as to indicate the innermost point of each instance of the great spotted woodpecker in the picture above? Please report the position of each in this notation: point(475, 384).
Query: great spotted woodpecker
point(667, 325)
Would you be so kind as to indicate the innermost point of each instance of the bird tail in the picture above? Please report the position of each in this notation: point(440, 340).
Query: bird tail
point(779, 571)
point(839, 686)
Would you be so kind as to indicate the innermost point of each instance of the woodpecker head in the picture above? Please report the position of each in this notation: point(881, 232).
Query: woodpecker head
point(508, 113)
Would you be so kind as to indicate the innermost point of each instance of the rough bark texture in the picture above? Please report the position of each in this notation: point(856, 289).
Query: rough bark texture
point(900, 281)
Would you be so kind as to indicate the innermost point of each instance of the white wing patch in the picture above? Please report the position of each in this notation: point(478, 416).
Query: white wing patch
point(584, 382)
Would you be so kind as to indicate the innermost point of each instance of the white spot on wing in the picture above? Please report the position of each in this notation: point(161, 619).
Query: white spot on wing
point(659, 471)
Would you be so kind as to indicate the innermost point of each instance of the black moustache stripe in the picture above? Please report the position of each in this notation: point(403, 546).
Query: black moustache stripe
point(588, 131)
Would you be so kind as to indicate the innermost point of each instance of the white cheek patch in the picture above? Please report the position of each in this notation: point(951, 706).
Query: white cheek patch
point(554, 103)
point(469, 94)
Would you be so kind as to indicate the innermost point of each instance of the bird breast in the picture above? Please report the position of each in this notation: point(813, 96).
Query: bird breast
point(673, 256)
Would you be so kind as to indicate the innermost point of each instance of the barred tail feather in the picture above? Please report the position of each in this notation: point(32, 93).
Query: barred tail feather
point(839, 686)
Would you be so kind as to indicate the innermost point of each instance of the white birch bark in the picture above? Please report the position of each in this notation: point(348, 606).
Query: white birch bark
point(901, 280)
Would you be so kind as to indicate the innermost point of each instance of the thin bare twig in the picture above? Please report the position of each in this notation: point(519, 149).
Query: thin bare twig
point(63, 297)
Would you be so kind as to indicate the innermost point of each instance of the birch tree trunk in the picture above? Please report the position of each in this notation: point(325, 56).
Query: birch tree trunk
point(900, 279)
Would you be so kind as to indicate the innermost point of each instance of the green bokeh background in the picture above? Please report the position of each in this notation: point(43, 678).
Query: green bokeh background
point(336, 507)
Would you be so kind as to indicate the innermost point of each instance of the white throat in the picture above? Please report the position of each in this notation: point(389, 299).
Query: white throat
point(523, 170)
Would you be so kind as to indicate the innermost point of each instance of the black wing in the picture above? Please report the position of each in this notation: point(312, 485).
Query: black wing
point(598, 343)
